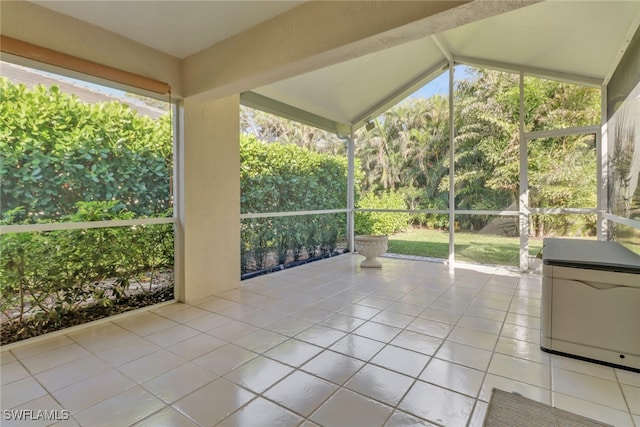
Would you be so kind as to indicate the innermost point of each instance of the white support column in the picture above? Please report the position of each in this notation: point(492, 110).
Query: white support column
point(351, 224)
point(602, 150)
point(211, 215)
point(524, 186)
point(452, 148)
point(178, 199)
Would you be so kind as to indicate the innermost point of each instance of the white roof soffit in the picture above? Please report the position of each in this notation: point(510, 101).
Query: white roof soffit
point(272, 106)
point(347, 92)
point(577, 41)
point(178, 28)
point(570, 40)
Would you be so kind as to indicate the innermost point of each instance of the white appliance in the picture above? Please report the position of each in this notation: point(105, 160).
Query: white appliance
point(591, 301)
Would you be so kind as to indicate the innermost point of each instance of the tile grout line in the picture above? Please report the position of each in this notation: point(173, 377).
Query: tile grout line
point(624, 396)
point(352, 288)
point(493, 352)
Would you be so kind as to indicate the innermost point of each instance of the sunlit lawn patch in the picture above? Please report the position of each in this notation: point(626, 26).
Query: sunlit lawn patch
point(469, 247)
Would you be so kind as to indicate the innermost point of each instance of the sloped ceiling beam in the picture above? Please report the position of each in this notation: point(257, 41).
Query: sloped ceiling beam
point(399, 95)
point(533, 71)
point(635, 25)
point(272, 106)
point(443, 46)
point(322, 33)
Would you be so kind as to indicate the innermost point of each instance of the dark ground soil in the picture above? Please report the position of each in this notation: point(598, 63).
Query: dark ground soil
point(42, 323)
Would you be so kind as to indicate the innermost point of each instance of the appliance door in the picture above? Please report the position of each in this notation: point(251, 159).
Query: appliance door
point(593, 314)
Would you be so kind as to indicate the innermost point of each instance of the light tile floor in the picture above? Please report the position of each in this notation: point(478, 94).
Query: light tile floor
point(325, 344)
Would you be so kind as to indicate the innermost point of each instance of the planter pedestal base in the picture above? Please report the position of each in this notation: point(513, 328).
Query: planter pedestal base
point(371, 247)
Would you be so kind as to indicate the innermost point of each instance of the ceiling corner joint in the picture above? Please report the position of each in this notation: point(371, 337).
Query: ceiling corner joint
point(623, 48)
point(442, 45)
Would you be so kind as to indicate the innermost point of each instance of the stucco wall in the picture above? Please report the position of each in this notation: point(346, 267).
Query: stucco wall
point(211, 192)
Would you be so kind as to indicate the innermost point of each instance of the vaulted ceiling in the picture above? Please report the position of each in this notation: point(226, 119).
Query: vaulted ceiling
point(179, 28)
point(579, 41)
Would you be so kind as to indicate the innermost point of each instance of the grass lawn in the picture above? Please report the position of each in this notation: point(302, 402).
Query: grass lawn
point(629, 237)
point(469, 247)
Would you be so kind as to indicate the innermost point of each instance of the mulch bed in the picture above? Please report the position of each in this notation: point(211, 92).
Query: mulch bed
point(43, 323)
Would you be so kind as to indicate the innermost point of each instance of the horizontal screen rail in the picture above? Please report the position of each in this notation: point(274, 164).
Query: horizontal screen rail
point(60, 226)
point(443, 211)
point(292, 213)
point(409, 211)
point(561, 211)
point(548, 211)
point(557, 133)
point(622, 220)
point(485, 212)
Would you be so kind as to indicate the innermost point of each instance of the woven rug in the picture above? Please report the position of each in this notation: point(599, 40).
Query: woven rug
point(512, 410)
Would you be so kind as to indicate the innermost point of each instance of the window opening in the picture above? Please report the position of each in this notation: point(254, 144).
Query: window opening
point(87, 227)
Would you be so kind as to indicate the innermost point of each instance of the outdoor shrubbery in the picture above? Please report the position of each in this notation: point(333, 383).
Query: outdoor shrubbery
point(287, 178)
point(63, 160)
point(381, 223)
point(408, 151)
point(48, 279)
point(57, 150)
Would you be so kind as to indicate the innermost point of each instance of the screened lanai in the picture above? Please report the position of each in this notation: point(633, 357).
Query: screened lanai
point(340, 98)
point(335, 66)
point(344, 84)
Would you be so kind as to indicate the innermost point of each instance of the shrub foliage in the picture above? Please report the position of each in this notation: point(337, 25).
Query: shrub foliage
point(382, 223)
point(57, 150)
point(286, 178)
point(63, 160)
point(44, 276)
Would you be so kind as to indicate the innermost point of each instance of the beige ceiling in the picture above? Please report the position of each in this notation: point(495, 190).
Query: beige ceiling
point(178, 28)
point(578, 41)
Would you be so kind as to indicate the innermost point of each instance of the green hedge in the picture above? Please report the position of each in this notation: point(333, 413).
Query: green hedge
point(286, 178)
point(381, 223)
point(278, 177)
point(56, 150)
point(63, 160)
point(57, 271)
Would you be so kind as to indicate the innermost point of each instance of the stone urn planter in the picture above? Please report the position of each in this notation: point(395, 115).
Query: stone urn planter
point(371, 247)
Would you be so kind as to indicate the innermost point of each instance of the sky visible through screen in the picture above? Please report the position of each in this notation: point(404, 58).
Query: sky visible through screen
point(440, 85)
point(437, 86)
point(93, 86)
point(86, 91)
